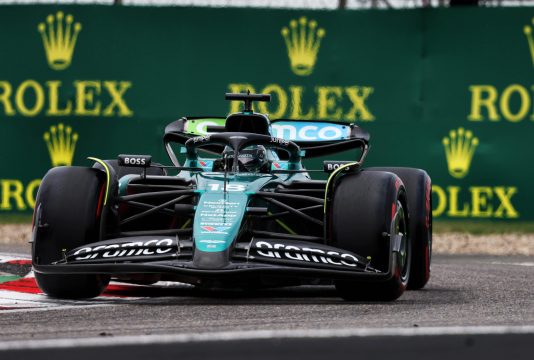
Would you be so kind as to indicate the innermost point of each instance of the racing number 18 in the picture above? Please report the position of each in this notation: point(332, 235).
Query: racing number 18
point(229, 187)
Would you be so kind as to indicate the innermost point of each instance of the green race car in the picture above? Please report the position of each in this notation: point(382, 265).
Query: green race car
point(240, 210)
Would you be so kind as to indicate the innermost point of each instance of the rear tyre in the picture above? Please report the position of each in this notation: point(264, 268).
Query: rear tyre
point(418, 189)
point(367, 208)
point(68, 210)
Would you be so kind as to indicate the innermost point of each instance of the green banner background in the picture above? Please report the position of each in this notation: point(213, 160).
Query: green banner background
point(421, 70)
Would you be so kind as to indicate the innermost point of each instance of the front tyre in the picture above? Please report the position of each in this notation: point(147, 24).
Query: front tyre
point(370, 218)
point(418, 188)
point(68, 211)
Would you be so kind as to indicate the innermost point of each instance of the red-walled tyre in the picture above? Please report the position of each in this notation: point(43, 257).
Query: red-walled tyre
point(366, 208)
point(68, 211)
point(418, 190)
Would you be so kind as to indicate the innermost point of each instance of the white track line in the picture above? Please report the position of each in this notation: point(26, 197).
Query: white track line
point(514, 263)
point(261, 335)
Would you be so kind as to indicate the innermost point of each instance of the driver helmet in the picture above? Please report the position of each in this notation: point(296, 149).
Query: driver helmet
point(253, 158)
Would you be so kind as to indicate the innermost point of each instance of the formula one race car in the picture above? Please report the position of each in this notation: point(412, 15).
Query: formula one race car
point(241, 212)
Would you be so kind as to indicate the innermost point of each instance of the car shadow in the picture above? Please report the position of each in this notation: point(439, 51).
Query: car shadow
point(182, 294)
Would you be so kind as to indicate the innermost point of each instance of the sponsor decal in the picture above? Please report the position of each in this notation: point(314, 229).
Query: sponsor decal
point(330, 166)
point(88, 99)
point(333, 103)
point(17, 195)
point(203, 138)
point(279, 166)
point(460, 147)
point(59, 34)
point(200, 127)
point(217, 216)
point(135, 160)
point(61, 144)
point(125, 249)
point(206, 164)
point(207, 229)
point(493, 104)
point(476, 201)
point(330, 102)
point(212, 241)
point(287, 130)
point(53, 98)
point(212, 244)
point(513, 103)
point(528, 32)
point(310, 131)
point(305, 254)
point(303, 40)
point(279, 141)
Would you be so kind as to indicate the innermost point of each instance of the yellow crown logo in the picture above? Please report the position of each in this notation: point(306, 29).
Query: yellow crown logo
point(459, 148)
point(59, 39)
point(61, 143)
point(303, 40)
point(528, 32)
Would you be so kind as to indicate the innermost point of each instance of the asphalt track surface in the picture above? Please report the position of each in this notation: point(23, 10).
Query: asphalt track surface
point(473, 307)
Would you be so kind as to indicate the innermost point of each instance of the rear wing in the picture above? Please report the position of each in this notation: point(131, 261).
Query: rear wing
point(316, 137)
point(320, 138)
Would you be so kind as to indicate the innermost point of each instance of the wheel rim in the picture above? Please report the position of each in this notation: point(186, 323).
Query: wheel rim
point(404, 249)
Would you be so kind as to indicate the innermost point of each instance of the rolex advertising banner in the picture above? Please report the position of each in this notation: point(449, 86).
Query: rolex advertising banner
point(446, 90)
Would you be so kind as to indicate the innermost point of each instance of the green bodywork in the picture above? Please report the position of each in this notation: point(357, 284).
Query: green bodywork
point(223, 200)
point(222, 204)
point(219, 213)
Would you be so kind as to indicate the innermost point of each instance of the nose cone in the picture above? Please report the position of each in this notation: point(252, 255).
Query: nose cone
point(216, 225)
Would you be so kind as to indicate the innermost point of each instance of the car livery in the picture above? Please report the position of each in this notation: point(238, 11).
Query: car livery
point(248, 215)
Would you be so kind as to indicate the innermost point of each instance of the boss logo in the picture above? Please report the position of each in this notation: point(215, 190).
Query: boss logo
point(330, 166)
point(135, 160)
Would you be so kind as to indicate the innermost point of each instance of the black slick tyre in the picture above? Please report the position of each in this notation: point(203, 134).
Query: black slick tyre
point(68, 210)
point(369, 215)
point(418, 190)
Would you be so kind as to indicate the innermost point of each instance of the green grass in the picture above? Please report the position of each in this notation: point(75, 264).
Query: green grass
point(483, 226)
